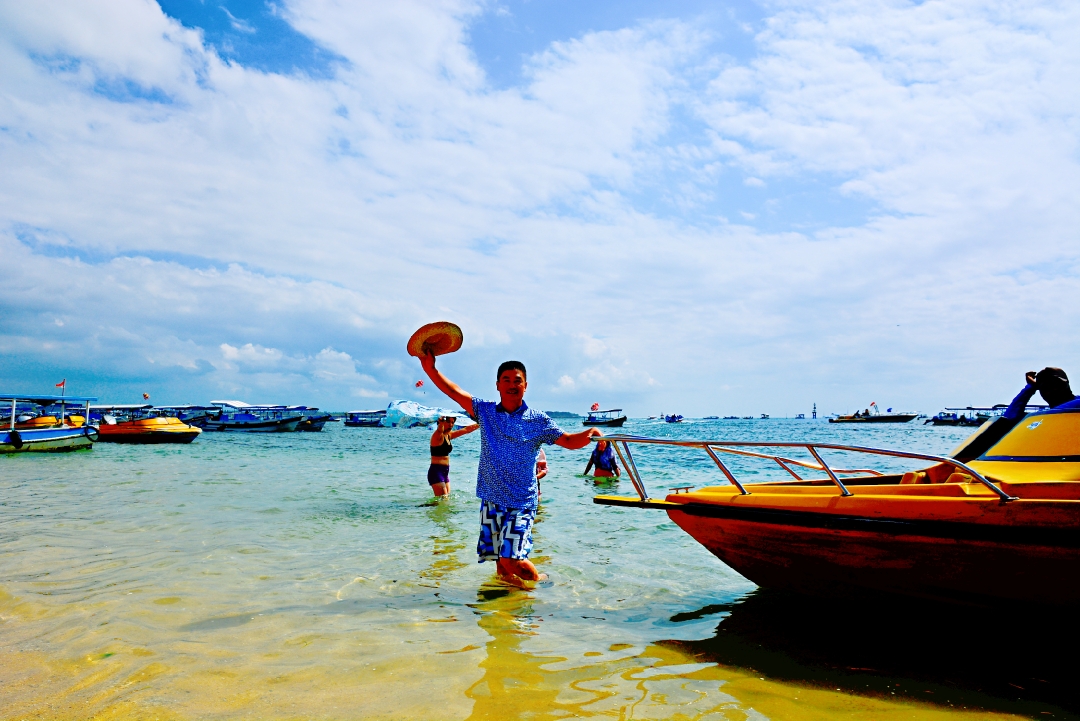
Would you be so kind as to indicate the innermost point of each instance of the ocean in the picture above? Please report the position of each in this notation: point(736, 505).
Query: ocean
point(311, 575)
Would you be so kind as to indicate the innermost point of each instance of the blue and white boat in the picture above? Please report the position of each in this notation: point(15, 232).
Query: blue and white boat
point(313, 419)
point(26, 428)
point(240, 416)
point(365, 419)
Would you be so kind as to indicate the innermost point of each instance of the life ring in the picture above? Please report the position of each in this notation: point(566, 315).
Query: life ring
point(92, 433)
point(16, 440)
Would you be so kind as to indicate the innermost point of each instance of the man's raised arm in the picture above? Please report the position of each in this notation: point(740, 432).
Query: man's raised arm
point(573, 441)
point(447, 386)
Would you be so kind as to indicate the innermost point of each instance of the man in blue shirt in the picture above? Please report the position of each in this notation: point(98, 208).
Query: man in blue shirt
point(511, 434)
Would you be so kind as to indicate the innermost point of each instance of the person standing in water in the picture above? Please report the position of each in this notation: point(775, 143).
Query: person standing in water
point(541, 471)
point(438, 473)
point(603, 458)
point(511, 433)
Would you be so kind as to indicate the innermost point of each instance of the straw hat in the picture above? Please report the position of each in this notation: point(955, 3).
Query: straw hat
point(437, 338)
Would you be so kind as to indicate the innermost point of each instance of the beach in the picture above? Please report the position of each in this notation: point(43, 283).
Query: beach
point(312, 576)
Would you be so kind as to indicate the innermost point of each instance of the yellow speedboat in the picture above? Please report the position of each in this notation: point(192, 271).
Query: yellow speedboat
point(135, 424)
point(996, 521)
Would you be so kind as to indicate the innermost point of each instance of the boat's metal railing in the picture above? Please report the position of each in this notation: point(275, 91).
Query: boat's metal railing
point(738, 448)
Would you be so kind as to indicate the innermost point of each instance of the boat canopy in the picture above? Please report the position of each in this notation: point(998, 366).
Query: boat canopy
point(123, 407)
point(44, 400)
point(240, 405)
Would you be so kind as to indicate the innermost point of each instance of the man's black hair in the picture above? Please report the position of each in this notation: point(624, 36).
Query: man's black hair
point(1053, 386)
point(511, 366)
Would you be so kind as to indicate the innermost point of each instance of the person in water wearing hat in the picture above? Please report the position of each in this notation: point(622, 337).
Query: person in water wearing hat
point(1052, 384)
point(511, 433)
point(438, 474)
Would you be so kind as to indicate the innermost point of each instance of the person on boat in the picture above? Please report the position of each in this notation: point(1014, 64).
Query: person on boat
point(1051, 383)
point(438, 474)
point(603, 459)
point(511, 433)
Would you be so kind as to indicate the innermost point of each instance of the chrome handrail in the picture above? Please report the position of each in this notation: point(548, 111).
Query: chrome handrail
point(734, 448)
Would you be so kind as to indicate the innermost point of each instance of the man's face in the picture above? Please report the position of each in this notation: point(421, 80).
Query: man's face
point(511, 384)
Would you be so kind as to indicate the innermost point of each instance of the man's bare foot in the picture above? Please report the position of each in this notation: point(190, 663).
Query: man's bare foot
point(523, 569)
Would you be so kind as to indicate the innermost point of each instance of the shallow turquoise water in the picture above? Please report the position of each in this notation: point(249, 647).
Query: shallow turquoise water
point(310, 574)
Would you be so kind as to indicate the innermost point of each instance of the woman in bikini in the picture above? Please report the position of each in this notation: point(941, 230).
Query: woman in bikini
point(438, 474)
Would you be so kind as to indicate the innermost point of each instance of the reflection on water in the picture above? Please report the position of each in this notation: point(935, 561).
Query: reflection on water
point(1018, 663)
point(779, 656)
point(308, 576)
point(447, 543)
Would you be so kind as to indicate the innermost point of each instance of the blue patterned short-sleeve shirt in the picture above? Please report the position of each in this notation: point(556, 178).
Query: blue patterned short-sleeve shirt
point(508, 446)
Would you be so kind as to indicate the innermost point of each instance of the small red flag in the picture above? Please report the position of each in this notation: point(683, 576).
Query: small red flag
point(62, 384)
point(595, 407)
point(419, 384)
point(146, 396)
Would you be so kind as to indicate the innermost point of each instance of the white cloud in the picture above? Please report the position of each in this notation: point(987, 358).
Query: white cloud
point(273, 234)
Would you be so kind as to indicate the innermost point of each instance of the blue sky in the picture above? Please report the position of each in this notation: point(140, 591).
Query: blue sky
point(708, 208)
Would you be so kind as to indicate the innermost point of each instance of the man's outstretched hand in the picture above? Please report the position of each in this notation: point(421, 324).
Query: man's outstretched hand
point(574, 441)
point(1030, 377)
point(427, 361)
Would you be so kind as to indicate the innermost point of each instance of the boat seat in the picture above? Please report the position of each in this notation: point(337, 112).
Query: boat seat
point(960, 478)
point(915, 477)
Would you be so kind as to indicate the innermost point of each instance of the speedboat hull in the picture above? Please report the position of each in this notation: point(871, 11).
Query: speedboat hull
point(149, 431)
point(834, 554)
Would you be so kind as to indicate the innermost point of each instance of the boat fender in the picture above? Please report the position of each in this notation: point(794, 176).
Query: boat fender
point(16, 440)
point(91, 432)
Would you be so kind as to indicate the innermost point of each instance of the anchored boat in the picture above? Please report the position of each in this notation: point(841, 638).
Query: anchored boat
point(364, 419)
point(30, 429)
point(313, 420)
point(133, 423)
point(612, 418)
point(997, 521)
point(240, 416)
point(874, 415)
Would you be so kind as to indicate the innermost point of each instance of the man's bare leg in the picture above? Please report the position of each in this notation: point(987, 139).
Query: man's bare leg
point(440, 489)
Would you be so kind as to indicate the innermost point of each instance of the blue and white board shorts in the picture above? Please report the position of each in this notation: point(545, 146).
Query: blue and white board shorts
point(504, 532)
